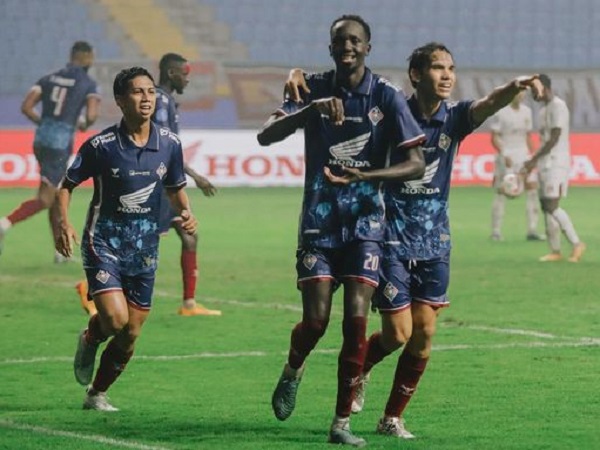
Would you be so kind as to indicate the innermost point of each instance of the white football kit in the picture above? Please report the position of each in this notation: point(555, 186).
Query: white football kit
point(554, 167)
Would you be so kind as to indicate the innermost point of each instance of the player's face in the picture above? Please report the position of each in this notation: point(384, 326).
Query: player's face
point(349, 45)
point(437, 80)
point(179, 75)
point(140, 100)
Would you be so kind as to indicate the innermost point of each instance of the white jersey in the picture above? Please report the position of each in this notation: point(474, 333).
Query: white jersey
point(555, 114)
point(512, 127)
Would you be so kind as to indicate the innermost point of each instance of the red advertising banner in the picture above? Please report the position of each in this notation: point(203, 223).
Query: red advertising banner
point(234, 158)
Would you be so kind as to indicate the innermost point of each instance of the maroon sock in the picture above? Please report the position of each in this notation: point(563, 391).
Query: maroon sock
point(407, 376)
point(375, 352)
point(305, 336)
point(94, 334)
point(112, 364)
point(350, 363)
point(189, 271)
point(24, 210)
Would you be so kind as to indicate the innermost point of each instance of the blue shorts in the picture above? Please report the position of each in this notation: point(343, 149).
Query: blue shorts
point(401, 281)
point(136, 288)
point(53, 163)
point(358, 260)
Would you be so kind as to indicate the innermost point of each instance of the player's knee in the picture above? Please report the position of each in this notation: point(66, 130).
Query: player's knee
point(114, 323)
point(315, 327)
point(424, 331)
point(394, 338)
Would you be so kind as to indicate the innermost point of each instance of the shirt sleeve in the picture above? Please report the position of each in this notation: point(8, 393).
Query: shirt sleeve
point(84, 165)
point(161, 113)
point(406, 131)
point(559, 117)
point(175, 177)
point(93, 90)
point(462, 123)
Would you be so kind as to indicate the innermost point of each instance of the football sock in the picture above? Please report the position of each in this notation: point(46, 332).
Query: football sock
point(305, 336)
point(532, 209)
point(407, 376)
point(5, 224)
point(350, 363)
point(552, 233)
point(24, 210)
point(375, 352)
point(566, 225)
point(112, 364)
point(189, 271)
point(94, 334)
point(497, 213)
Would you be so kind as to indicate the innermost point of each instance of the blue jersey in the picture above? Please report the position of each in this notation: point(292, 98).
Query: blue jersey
point(124, 212)
point(166, 114)
point(63, 96)
point(377, 122)
point(417, 211)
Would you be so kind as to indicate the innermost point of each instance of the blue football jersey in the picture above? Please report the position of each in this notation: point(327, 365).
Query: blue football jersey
point(63, 96)
point(166, 113)
point(417, 211)
point(128, 182)
point(377, 123)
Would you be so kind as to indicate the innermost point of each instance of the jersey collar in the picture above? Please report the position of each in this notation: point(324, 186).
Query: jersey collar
point(125, 142)
point(364, 88)
point(439, 116)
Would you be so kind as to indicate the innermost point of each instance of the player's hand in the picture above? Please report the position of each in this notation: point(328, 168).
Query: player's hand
point(351, 175)
point(206, 186)
point(508, 162)
point(294, 84)
point(331, 107)
point(532, 82)
point(188, 222)
point(66, 239)
point(528, 166)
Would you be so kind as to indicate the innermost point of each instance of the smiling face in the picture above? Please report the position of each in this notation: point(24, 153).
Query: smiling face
point(435, 81)
point(139, 101)
point(349, 46)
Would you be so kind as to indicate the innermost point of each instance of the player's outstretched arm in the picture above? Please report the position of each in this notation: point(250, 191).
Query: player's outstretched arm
point(502, 96)
point(67, 236)
point(201, 182)
point(411, 169)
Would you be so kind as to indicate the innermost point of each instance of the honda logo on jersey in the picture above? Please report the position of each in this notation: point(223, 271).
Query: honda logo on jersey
point(418, 186)
point(132, 203)
point(344, 152)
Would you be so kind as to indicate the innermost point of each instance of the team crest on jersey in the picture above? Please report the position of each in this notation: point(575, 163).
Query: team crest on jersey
point(162, 169)
point(375, 115)
point(309, 261)
point(444, 142)
point(102, 276)
point(390, 291)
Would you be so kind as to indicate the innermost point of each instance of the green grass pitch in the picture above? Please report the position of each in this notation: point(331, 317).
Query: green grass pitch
point(515, 363)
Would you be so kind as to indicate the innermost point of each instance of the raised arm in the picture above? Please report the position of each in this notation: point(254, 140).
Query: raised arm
point(501, 96)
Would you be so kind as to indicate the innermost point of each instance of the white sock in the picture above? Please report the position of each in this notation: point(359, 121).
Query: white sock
point(532, 209)
point(340, 422)
point(566, 225)
point(552, 233)
point(497, 213)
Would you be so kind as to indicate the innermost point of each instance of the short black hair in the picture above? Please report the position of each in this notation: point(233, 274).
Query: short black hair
point(121, 83)
point(167, 60)
point(354, 18)
point(420, 58)
point(545, 80)
point(81, 47)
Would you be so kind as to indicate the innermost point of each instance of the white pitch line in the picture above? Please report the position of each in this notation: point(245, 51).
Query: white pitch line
point(86, 437)
point(588, 342)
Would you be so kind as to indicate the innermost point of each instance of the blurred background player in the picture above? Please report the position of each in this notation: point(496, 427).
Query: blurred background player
point(131, 163)
point(174, 77)
point(511, 137)
point(553, 161)
point(63, 95)
point(415, 268)
point(351, 118)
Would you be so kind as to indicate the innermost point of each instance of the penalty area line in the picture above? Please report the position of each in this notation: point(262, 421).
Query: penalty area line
point(81, 436)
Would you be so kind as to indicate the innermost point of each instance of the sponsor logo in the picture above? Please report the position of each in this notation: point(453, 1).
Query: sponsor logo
point(375, 115)
point(162, 169)
point(115, 172)
point(418, 186)
point(133, 173)
point(102, 276)
point(343, 152)
point(406, 390)
point(309, 261)
point(102, 139)
point(131, 203)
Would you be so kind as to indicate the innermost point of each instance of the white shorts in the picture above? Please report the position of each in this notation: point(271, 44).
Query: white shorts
point(500, 170)
point(554, 182)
